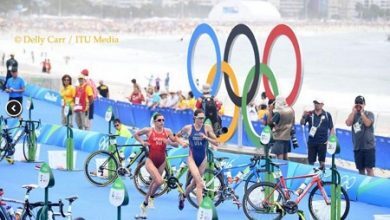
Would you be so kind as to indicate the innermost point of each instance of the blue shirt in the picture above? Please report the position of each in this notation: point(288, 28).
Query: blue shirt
point(323, 125)
point(17, 84)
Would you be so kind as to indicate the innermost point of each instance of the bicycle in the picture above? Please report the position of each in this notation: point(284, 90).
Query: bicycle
point(267, 199)
point(224, 187)
point(102, 167)
point(7, 144)
point(171, 177)
point(30, 211)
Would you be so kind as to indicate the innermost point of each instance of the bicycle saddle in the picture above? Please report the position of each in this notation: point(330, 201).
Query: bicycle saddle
point(30, 186)
point(71, 198)
point(220, 159)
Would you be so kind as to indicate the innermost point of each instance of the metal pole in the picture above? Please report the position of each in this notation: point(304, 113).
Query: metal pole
point(240, 129)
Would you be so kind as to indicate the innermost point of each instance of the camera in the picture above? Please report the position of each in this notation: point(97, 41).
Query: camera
point(222, 130)
point(218, 130)
point(358, 107)
point(294, 139)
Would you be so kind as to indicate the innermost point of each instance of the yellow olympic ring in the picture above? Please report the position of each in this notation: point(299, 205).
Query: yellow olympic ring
point(227, 69)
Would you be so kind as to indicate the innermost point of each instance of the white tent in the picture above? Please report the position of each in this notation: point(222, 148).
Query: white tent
point(236, 10)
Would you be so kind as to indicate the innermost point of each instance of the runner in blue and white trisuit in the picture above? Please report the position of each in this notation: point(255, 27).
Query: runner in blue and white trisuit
point(199, 136)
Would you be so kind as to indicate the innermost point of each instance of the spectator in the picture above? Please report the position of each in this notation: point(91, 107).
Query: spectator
point(264, 100)
point(135, 84)
point(283, 121)
point(136, 96)
point(166, 82)
point(172, 100)
point(121, 130)
point(44, 66)
point(252, 111)
point(363, 138)
point(103, 90)
point(320, 127)
point(95, 93)
point(149, 96)
point(191, 101)
point(210, 106)
point(261, 114)
point(267, 118)
point(156, 98)
point(68, 93)
point(15, 87)
point(83, 98)
point(157, 81)
point(164, 100)
point(182, 104)
point(48, 66)
point(12, 66)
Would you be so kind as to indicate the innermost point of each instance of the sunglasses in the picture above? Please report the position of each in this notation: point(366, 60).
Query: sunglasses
point(160, 120)
point(116, 125)
point(66, 79)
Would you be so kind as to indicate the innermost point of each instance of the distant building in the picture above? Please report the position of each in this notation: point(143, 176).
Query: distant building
point(292, 8)
point(233, 10)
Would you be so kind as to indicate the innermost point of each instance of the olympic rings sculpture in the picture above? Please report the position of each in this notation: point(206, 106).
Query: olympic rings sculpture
point(253, 78)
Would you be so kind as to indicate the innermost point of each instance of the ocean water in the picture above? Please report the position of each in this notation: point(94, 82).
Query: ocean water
point(338, 66)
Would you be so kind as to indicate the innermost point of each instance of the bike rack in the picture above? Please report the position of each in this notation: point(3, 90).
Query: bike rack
point(46, 181)
point(69, 139)
point(335, 211)
point(31, 151)
point(207, 208)
point(109, 117)
point(118, 196)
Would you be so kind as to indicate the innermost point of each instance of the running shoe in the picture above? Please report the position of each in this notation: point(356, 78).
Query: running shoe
point(143, 212)
point(182, 198)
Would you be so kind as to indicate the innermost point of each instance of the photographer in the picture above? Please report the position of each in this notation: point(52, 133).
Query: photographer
point(211, 106)
point(363, 138)
point(282, 125)
point(320, 127)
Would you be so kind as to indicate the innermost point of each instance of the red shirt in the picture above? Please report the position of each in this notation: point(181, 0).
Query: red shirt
point(136, 98)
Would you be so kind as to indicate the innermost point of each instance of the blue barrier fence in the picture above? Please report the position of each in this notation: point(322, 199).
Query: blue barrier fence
point(139, 116)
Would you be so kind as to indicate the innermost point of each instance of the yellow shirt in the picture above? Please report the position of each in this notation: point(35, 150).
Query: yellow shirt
point(182, 104)
point(222, 110)
point(261, 113)
point(68, 95)
point(124, 132)
point(191, 103)
point(89, 91)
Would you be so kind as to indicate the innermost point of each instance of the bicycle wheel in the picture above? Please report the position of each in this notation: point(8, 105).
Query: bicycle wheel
point(253, 179)
point(3, 214)
point(219, 185)
point(101, 167)
point(3, 148)
point(318, 207)
point(26, 146)
point(257, 203)
point(142, 180)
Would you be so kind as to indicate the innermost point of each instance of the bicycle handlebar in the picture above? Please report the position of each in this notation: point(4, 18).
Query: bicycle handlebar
point(30, 121)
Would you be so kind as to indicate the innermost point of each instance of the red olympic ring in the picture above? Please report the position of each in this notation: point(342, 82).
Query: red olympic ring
point(279, 30)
